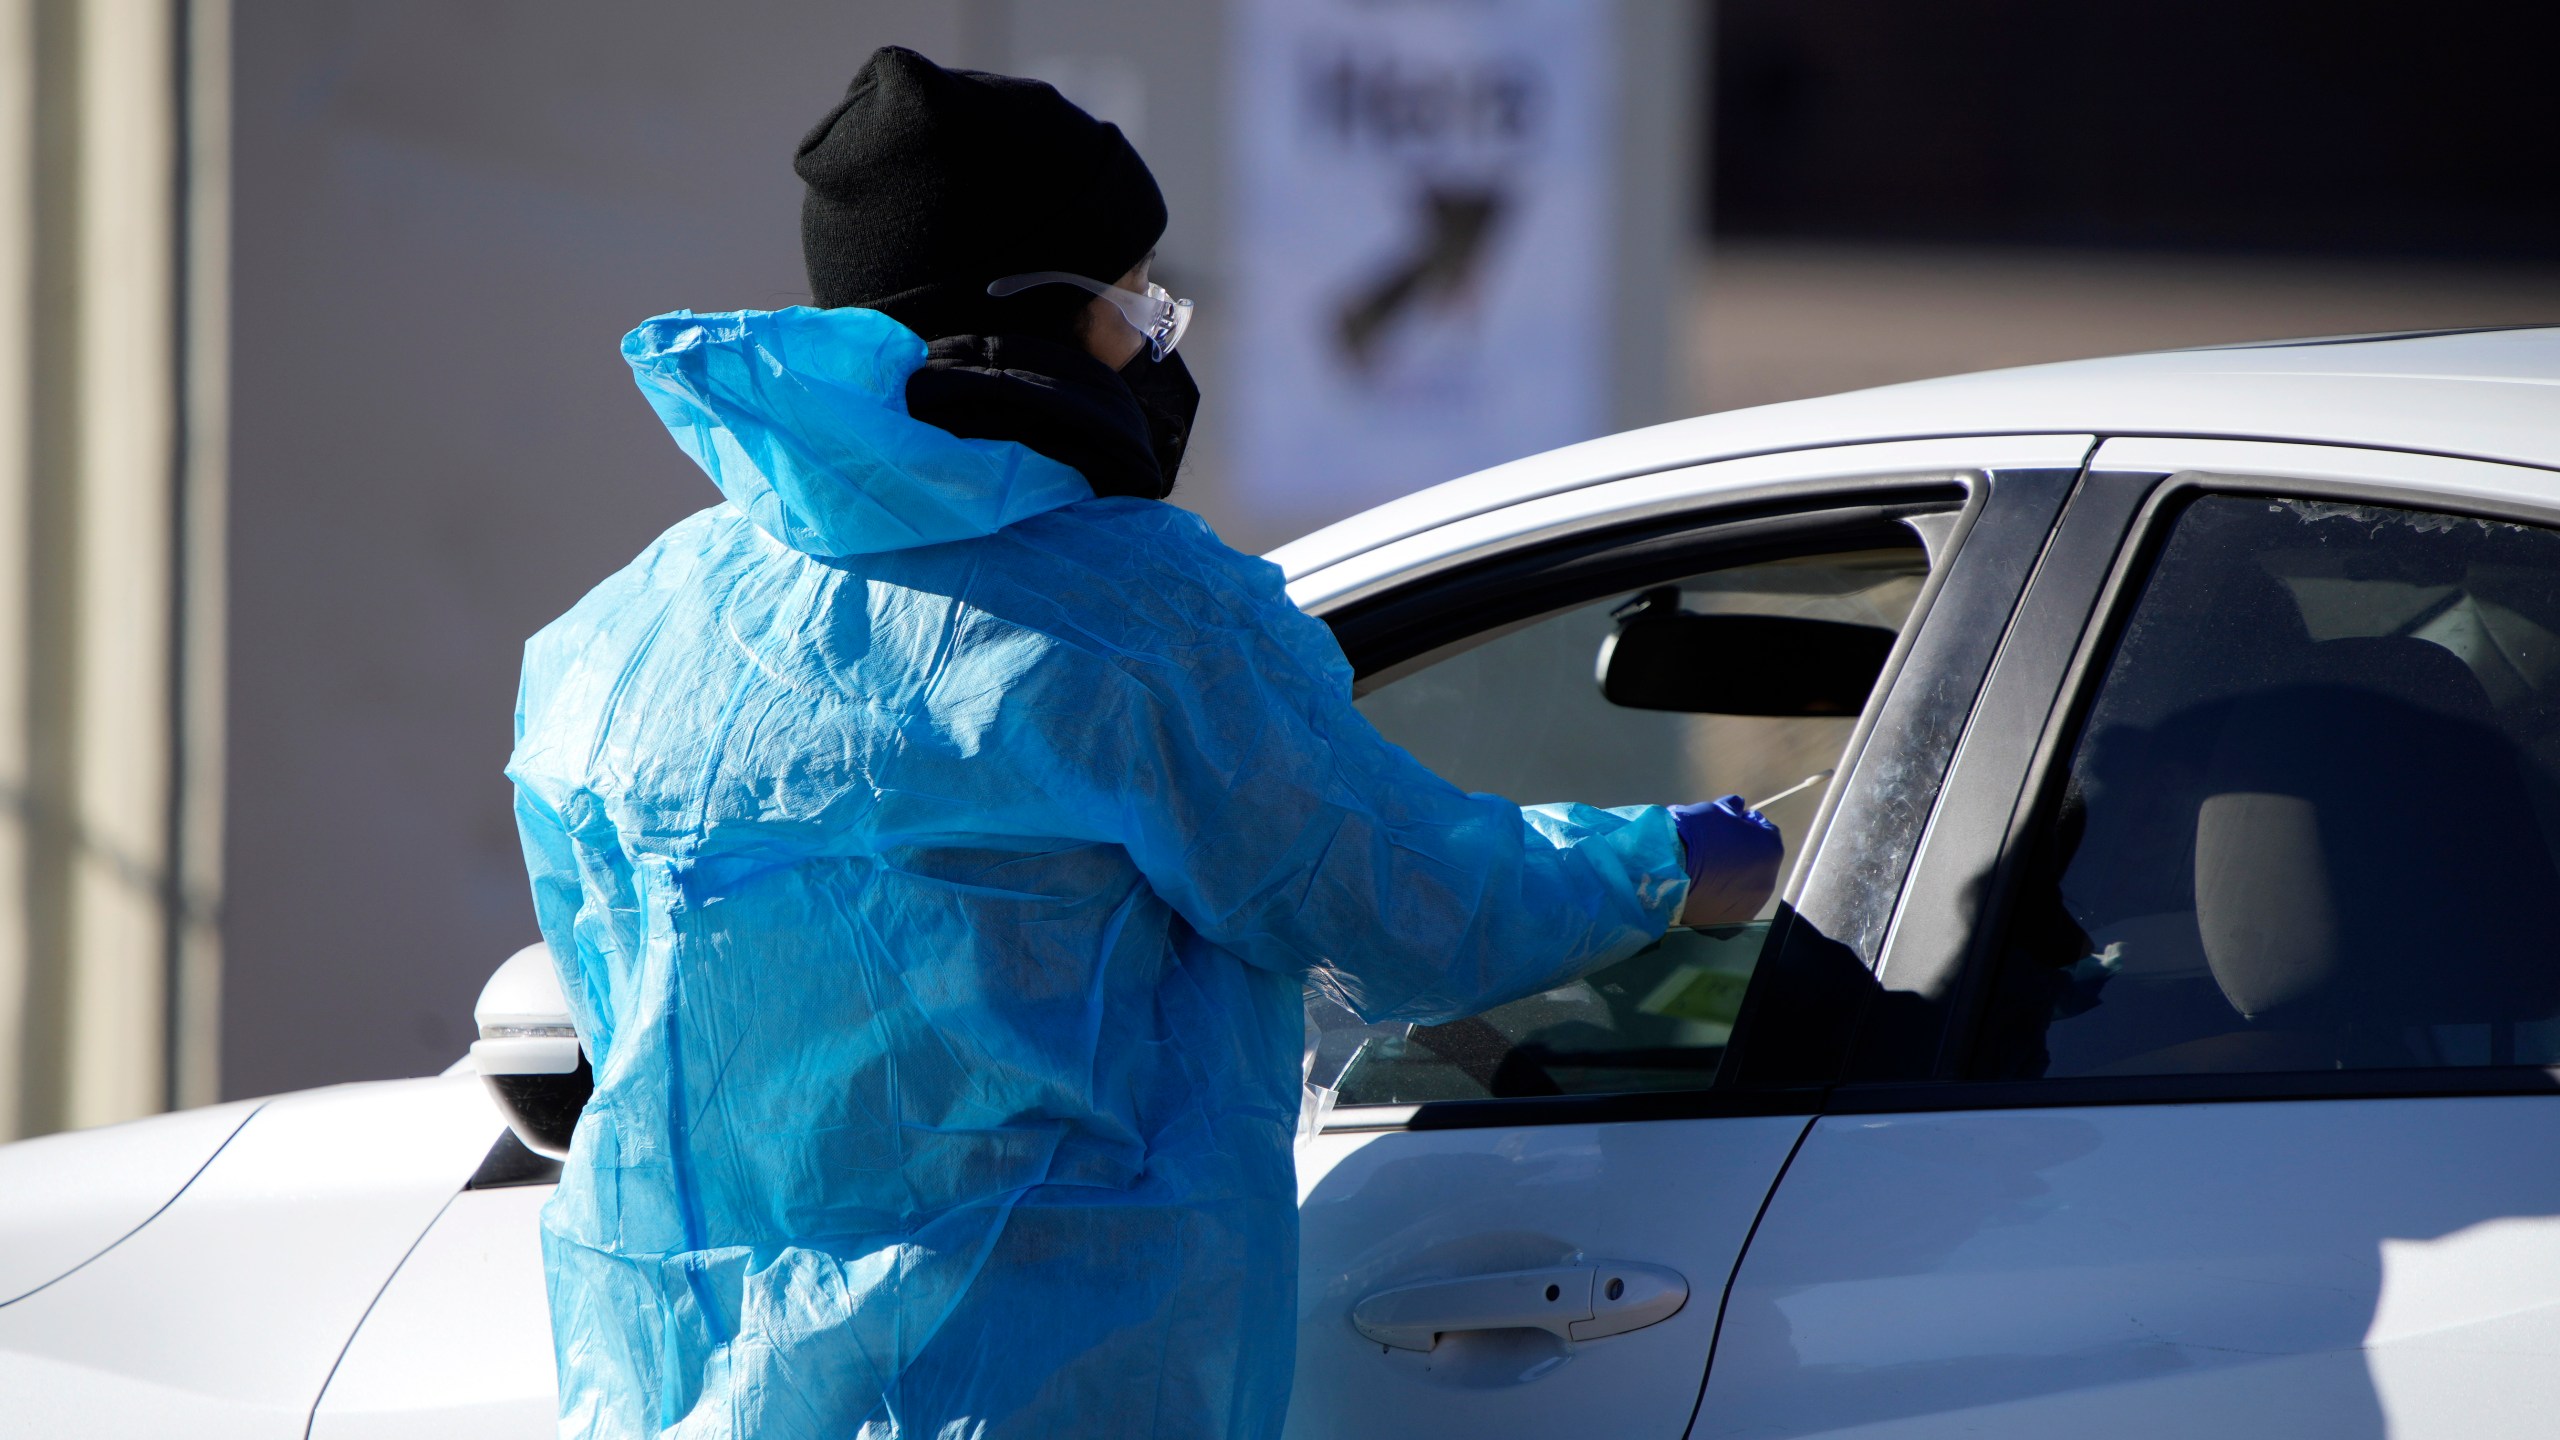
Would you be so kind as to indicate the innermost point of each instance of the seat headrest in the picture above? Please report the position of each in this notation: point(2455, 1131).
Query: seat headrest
point(2365, 853)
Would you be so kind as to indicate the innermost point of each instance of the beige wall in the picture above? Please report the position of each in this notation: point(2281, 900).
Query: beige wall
point(109, 537)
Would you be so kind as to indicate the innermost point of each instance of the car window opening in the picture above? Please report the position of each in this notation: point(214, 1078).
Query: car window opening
point(1752, 680)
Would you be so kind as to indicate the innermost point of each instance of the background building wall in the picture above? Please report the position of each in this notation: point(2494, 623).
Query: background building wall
point(447, 216)
point(1912, 190)
point(2284, 126)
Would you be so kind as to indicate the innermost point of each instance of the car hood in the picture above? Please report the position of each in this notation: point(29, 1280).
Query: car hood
point(67, 1199)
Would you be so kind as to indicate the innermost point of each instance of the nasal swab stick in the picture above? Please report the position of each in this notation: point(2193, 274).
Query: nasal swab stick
point(1807, 783)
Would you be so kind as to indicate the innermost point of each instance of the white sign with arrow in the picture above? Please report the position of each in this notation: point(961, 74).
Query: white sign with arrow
point(1423, 238)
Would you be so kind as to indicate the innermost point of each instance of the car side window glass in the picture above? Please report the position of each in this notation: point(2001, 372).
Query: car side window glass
point(1746, 680)
point(2310, 821)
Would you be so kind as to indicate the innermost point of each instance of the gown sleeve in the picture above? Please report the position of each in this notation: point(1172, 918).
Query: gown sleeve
point(1277, 821)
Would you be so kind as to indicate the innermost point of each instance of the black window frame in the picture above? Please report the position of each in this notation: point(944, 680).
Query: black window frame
point(2002, 520)
point(2000, 796)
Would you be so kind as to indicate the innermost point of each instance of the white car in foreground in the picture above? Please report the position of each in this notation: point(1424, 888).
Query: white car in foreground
point(2157, 1033)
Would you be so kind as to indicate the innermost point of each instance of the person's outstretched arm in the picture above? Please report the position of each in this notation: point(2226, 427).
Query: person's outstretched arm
point(1276, 820)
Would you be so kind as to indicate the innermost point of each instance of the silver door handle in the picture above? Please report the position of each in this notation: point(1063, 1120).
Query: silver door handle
point(1573, 1302)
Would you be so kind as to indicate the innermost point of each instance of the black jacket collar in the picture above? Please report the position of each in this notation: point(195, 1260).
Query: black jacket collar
point(1055, 399)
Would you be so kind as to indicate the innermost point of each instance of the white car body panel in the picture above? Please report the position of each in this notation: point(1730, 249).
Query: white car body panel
point(223, 1316)
point(2488, 395)
point(66, 1199)
point(1761, 479)
point(1383, 1210)
point(460, 1342)
point(2442, 479)
point(2335, 1268)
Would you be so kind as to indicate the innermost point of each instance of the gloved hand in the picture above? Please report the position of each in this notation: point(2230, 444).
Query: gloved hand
point(1731, 852)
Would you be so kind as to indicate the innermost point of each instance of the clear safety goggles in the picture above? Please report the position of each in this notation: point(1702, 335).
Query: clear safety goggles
point(1156, 314)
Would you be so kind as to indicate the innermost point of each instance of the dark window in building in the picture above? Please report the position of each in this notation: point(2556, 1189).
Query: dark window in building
point(2303, 126)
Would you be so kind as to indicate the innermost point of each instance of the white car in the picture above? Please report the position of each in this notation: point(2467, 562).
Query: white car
point(2156, 1034)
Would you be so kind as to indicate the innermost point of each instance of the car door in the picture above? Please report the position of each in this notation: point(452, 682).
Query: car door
point(2213, 1093)
point(1522, 1224)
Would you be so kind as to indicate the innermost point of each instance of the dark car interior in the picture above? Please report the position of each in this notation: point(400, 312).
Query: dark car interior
point(2309, 824)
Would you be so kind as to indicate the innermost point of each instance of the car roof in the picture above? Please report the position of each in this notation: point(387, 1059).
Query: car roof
point(2491, 394)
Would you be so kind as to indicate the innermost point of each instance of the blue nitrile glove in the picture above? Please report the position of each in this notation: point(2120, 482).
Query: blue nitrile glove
point(1731, 852)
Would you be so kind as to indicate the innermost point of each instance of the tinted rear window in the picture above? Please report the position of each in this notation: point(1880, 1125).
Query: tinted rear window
point(2310, 821)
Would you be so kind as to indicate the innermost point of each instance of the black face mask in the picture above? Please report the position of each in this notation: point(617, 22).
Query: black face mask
point(1170, 400)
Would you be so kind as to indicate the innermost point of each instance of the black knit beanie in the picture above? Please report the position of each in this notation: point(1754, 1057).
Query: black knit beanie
point(926, 183)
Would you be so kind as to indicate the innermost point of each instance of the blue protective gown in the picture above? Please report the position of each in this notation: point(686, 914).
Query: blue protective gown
point(933, 854)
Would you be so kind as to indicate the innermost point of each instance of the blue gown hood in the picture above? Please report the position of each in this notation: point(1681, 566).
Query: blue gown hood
point(800, 417)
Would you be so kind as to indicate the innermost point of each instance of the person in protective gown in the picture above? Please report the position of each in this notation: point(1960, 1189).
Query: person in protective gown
point(937, 837)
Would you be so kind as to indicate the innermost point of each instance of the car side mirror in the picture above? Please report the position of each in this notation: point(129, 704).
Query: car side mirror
point(1664, 658)
point(528, 1053)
